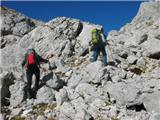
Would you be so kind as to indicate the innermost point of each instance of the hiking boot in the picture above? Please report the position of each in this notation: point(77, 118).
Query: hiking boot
point(104, 65)
point(112, 63)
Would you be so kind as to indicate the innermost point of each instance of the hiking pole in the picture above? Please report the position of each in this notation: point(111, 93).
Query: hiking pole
point(89, 49)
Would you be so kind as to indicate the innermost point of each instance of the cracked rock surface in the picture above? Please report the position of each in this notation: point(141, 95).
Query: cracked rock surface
point(75, 88)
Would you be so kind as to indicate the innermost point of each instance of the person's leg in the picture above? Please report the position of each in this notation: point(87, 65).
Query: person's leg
point(29, 83)
point(95, 54)
point(104, 58)
point(37, 74)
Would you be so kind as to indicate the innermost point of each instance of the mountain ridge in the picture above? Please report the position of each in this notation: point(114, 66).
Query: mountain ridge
point(75, 88)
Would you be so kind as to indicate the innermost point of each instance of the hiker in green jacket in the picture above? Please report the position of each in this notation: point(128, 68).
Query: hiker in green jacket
point(31, 63)
point(98, 44)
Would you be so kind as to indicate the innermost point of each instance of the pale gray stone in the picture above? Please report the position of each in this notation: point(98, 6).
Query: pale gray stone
point(132, 59)
point(16, 112)
point(17, 91)
point(1, 116)
point(83, 115)
point(6, 79)
point(152, 102)
point(90, 87)
point(154, 116)
point(74, 81)
point(45, 95)
point(61, 96)
point(67, 111)
point(124, 93)
point(52, 81)
point(141, 62)
point(41, 117)
point(152, 47)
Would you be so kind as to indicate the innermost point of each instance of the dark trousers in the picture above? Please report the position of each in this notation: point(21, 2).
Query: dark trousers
point(30, 71)
point(96, 51)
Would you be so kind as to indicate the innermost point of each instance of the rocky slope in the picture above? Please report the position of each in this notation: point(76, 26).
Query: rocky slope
point(75, 88)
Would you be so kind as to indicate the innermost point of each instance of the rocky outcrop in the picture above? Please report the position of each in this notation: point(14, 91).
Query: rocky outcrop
point(17, 92)
point(6, 79)
point(72, 87)
point(14, 26)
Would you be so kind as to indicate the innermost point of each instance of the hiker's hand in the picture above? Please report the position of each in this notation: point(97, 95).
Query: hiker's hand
point(106, 42)
point(49, 55)
point(46, 61)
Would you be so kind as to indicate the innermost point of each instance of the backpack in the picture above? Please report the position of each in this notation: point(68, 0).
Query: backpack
point(31, 58)
point(95, 37)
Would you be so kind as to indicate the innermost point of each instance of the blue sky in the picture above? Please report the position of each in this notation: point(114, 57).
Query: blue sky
point(110, 14)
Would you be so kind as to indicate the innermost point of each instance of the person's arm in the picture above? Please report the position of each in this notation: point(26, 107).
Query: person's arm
point(42, 59)
point(103, 37)
point(24, 61)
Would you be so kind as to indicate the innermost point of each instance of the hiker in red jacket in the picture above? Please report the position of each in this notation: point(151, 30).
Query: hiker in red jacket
point(31, 63)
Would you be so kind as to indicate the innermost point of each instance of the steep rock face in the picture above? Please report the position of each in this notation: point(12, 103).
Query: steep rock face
point(147, 11)
point(14, 26)
point(6, 80)
point(140, 37)
point(59, 37)
point(84, 90)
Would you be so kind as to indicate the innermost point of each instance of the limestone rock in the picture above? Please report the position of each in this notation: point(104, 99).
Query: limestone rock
point(83, 115)
point(122, 93)
point(152, 102)
point(41, 117)
point(17, 91)
point(127, 89)
point(67, 111)
point(6, 79)
point(61, 97)
point(131, 59)
point(45, 95)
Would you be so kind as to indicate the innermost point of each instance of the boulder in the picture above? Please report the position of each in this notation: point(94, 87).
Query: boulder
point(83, 115)
point(41, 117)
point(15, 112)
point(93, 72)
point(152, 48)
point(132, 59)
point(124, 94)
point(45, 95)
point(152, 102)
point(16, 24)
point(74, 80)
point(52, 81)
point(17, 92)
point(6, 79)
point(67, 111)
point(61, 96)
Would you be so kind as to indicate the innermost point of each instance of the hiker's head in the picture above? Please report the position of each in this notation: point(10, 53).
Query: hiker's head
point(96, 30)
point(102, 30)
point(31, 49)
